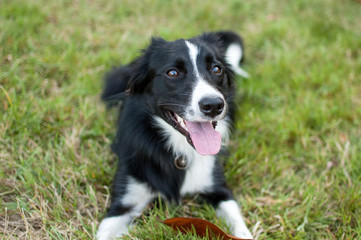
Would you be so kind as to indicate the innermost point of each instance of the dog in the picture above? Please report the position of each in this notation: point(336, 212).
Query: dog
point(176, 112)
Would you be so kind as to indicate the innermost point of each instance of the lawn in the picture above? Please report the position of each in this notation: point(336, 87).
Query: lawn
point(295, 151)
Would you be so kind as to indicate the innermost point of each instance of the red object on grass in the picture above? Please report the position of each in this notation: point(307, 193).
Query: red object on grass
point(200, 227)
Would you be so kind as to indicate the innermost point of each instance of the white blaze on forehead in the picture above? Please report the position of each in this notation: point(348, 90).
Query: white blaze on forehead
point(201, 88)
point(193, 53)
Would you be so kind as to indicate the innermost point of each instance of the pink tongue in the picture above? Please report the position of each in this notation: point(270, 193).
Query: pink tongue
point(206, 140)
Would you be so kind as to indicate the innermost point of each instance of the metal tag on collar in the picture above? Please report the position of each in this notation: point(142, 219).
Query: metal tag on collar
point(181, 162)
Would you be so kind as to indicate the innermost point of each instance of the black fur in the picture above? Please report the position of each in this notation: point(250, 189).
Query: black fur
point(145, 91)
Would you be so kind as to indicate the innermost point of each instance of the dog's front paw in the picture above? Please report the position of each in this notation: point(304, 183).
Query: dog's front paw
point(242, 231)
point(112, 228)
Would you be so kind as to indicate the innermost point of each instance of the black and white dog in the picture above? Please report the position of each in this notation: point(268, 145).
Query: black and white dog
point(176, 114)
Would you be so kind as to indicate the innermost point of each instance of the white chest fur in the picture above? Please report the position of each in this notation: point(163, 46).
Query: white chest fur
point(199, 173)
point(198, 176)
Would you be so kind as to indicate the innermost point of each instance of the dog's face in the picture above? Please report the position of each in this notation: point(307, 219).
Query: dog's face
point(188, 84)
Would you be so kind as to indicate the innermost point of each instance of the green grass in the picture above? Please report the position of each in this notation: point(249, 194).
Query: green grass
point(296, 150)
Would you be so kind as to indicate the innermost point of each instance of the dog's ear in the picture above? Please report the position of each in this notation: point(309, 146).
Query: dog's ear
point(212, 38)
point(231, 46)
point(142, 72)
point(139, 77)
point(122, 81)
point(115, 85)
point(223, 39)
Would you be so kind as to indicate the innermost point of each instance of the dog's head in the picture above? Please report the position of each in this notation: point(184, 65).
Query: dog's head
point(188, 84)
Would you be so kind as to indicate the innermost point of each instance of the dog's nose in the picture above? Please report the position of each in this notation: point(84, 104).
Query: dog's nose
point(211, 106)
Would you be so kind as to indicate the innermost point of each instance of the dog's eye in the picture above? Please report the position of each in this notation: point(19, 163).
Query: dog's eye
point(217, 70)
point(172, 73)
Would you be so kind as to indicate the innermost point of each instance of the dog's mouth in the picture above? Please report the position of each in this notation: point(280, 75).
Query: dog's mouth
point(200, 135)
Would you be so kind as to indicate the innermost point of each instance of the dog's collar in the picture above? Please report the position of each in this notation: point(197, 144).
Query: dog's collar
point(181, 162)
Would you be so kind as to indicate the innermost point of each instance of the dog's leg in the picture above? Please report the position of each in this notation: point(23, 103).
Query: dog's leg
point(124, 209)
point(221, 198)
point(228, 209)
point(231, 213)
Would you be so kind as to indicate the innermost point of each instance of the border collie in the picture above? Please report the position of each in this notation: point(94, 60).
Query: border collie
point(176, 112)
